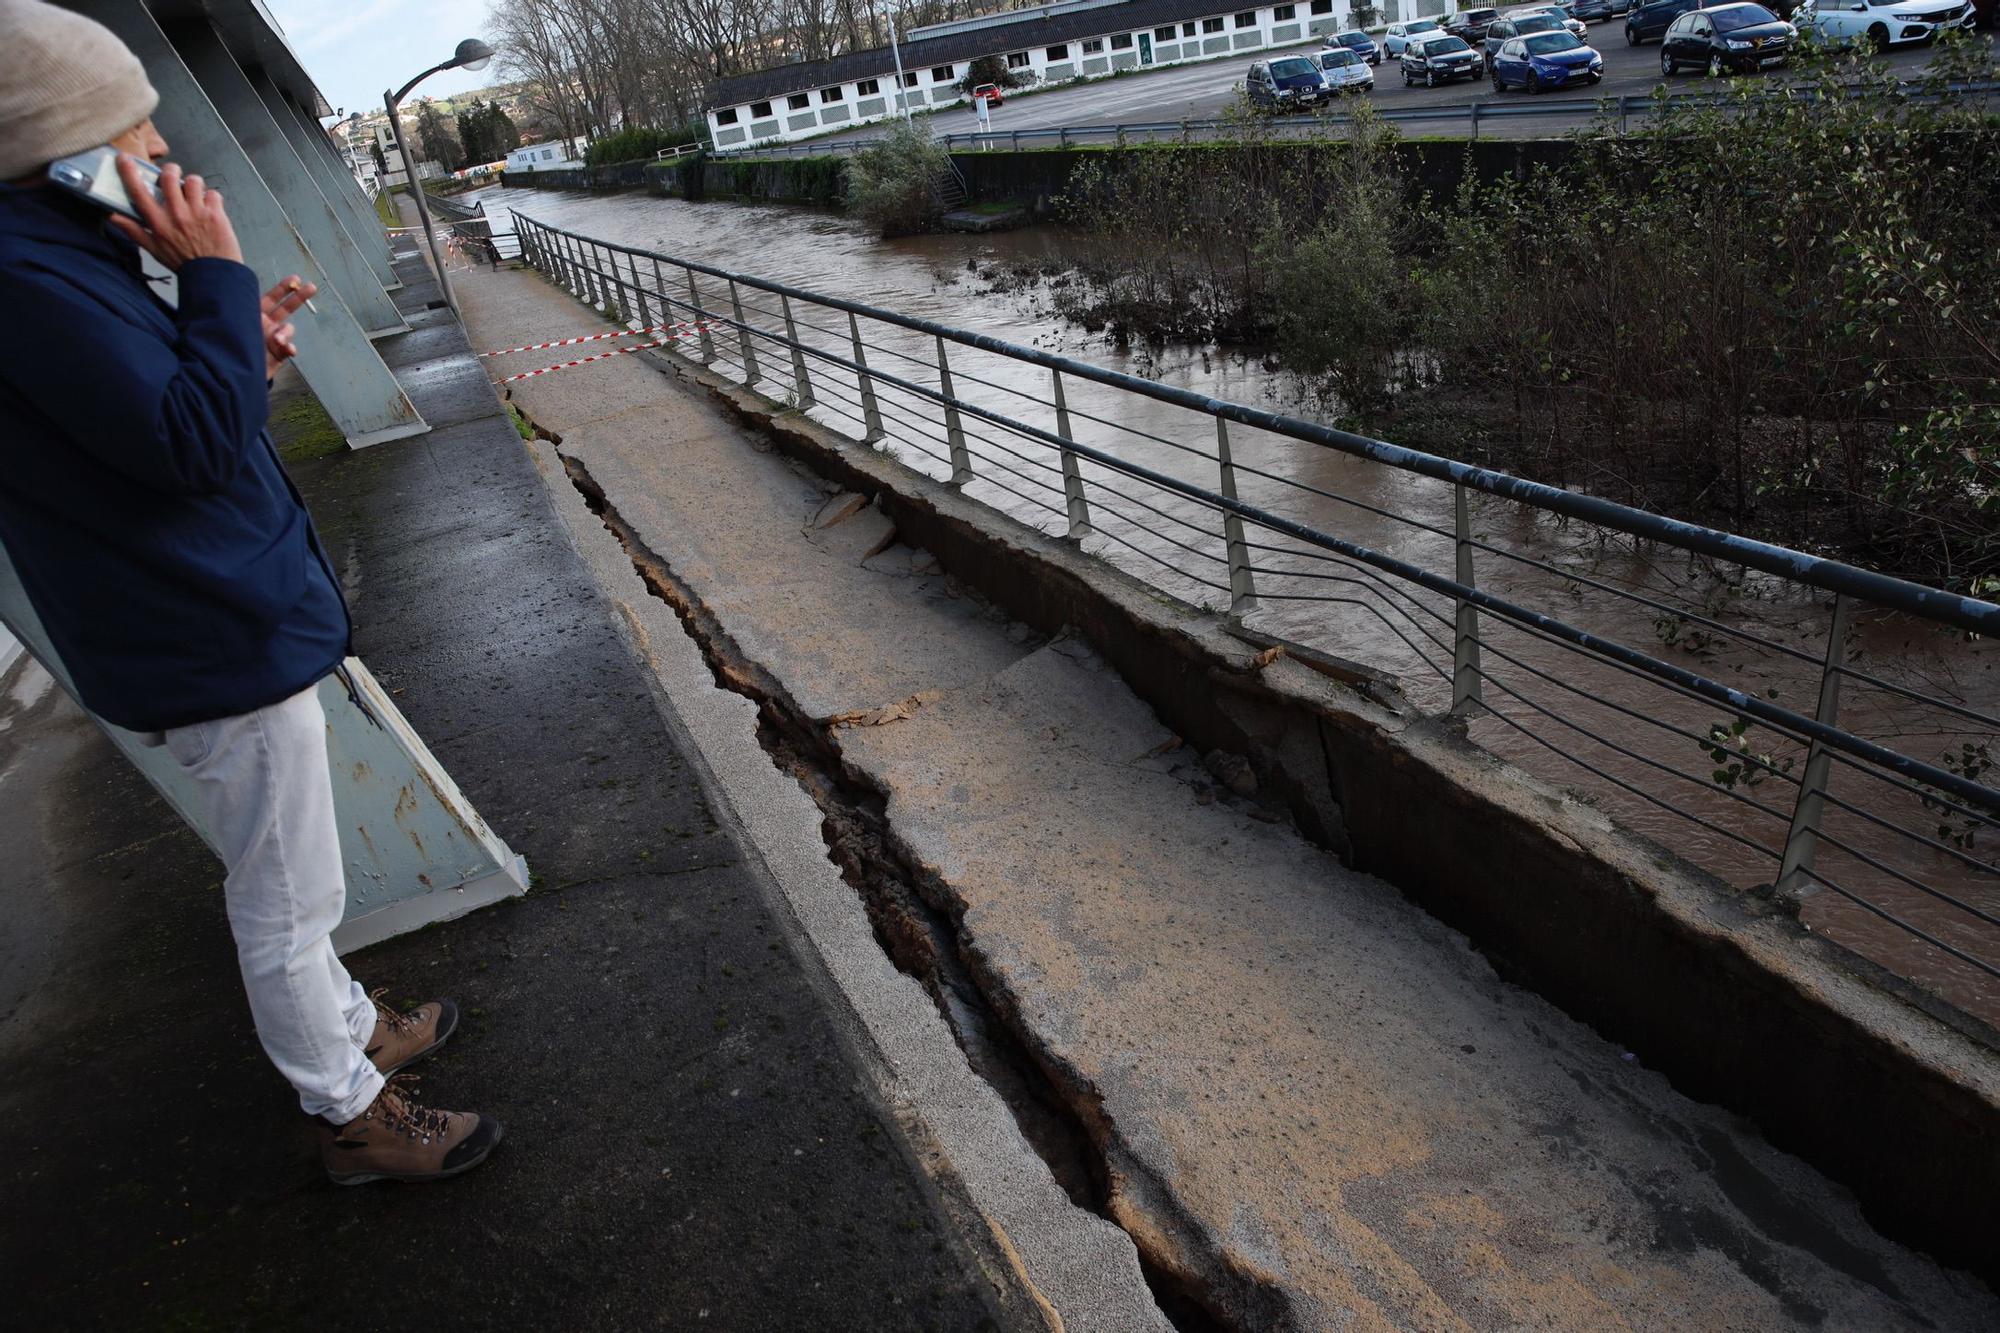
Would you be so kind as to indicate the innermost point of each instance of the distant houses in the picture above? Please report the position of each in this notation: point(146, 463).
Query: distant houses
point(1051, 43)
point(551, 156)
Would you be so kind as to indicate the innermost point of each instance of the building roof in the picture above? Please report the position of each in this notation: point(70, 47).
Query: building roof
point(1044, 25)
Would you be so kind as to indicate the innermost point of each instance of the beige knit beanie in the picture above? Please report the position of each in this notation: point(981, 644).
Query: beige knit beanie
point(66, 84)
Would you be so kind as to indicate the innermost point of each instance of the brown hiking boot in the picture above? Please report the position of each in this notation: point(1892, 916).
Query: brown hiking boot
point(396, 1139)
point(403, 1039)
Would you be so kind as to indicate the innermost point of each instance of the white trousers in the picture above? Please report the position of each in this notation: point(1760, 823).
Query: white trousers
point(265, 792)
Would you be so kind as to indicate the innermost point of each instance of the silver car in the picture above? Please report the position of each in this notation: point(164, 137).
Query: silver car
point(1398, 35)
point(1345, 71)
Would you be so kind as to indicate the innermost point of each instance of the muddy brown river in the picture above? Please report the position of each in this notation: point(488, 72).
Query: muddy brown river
point(1623, 743)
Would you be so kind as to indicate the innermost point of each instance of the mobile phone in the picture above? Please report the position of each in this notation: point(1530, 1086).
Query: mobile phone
point(93, 175)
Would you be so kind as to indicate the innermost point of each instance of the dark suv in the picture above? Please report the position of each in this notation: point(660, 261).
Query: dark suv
point(1288, 83)
point(1649, 22)
point(1469, 25)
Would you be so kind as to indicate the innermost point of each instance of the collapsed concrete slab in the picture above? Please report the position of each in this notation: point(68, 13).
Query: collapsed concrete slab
point(1309, 1102)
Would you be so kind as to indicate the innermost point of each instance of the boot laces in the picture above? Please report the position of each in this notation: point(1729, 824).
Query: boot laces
point(401, 1114)
point(396, 1022)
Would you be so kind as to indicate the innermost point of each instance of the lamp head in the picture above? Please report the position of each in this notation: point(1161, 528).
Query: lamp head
point(472, 54)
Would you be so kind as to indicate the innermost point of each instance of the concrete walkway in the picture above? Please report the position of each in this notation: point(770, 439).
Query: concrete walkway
point(696, 1135)
point(1308, 1103)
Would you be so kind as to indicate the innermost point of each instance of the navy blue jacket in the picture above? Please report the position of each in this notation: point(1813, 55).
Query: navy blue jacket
point(164, 548)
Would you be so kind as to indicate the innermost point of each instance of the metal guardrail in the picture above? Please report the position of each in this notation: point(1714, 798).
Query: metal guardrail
point(1624, 110)
point(666, 154)
point(1595, 699)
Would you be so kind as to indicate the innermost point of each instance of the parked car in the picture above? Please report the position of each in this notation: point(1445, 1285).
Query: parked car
point(1883, 23)
point(1358, 42)
point(1504, 30)
point(1286, 84)
point(1591, 11)
point(1545, 60)
point(1725, 39)
point(1440, 59)
point(988, 93)
point(1559, 13)
point(1469, 25)
point(1345, 71)
point(1399, 34)
point(1649, 21)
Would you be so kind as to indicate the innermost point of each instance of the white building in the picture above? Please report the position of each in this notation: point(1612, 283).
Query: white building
point(550, 156)
point(1051, 43)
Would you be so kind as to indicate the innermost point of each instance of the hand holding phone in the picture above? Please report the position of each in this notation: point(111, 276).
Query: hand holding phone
point(186, 221)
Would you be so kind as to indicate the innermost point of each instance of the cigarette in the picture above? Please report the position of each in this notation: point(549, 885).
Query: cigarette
point(294, 286)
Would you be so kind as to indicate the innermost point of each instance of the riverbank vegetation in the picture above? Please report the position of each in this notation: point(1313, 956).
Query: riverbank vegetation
point(1781, 314)
point(893, 185)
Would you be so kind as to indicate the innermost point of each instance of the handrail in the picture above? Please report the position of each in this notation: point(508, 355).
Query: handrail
point(1886, 590)
point(900, 397)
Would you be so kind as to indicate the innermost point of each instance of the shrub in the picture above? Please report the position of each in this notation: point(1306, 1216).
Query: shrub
point(894, 185)
point(990, 69)
point(640, 143)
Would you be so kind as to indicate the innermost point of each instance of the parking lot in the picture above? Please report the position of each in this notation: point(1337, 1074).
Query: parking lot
point(1205, 90)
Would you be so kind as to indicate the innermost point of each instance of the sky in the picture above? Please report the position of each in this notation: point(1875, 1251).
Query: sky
point(354, 49)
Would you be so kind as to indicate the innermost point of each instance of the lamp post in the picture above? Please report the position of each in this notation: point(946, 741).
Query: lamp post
point(471, 54)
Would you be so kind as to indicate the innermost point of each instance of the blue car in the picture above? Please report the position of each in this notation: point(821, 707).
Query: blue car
point(1358, 42)
point(1545, 60)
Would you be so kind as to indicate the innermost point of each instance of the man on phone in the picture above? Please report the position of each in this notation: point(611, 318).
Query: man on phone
point(176, 569)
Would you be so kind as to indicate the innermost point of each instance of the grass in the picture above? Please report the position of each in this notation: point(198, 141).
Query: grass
point(302, 429)
point(521, 426)
point(385, 208)
point(993, 210)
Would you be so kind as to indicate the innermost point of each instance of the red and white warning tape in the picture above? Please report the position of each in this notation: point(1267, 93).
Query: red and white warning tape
point(595, 337)
point(601, 356)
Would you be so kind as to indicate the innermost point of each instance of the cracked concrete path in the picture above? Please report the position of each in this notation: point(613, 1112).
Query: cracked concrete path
point(1314, 1105)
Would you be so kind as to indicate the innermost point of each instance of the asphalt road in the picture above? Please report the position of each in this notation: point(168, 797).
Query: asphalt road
point(1205, 90)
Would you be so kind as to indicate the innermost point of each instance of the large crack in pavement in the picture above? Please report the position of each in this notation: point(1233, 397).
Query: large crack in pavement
point(914, 917)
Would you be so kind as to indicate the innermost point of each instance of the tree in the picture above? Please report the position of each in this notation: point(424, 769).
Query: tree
point(487, 134)
point(435, 141)
point(501, 132)
point(990, 69)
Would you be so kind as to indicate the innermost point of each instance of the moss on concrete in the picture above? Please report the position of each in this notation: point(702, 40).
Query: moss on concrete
point(301, 428)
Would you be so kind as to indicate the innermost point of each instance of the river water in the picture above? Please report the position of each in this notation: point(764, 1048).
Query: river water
point(1622, 743)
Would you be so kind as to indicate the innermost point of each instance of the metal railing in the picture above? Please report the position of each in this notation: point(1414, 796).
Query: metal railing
point(682, 150)
point(1578, 636)
point(1623, 110)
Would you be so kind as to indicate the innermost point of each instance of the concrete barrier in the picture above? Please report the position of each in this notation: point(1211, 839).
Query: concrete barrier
point(1723, 992)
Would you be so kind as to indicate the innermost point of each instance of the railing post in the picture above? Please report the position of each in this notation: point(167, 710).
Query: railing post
point(668, 332)
point(1465, 679)
point(798, 354)
point(871, 414)
point(1795, 867)
point(695, 313)
point(1079, 509)
point(1242, 591)
point(565, 274)
point(638, 290)
point(750, 372)
point(954, 429)
point(1475, 120)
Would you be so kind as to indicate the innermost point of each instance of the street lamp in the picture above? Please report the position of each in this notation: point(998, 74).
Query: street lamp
point(471, 54)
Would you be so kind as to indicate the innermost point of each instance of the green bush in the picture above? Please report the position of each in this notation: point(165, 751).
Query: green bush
point(990, 69)
point(640, 143)
point(1775, 315)
point(894, 185)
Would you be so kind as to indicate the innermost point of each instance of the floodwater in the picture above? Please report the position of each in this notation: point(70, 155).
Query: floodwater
point(1901, 879)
